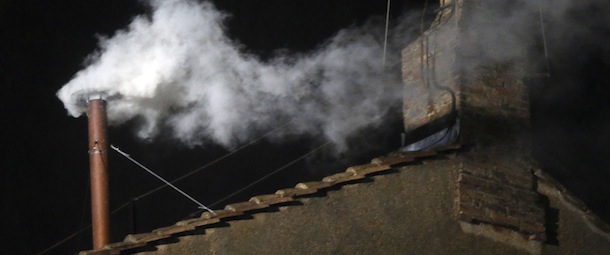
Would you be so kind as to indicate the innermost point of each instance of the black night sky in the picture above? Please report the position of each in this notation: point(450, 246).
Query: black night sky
point(44, 190)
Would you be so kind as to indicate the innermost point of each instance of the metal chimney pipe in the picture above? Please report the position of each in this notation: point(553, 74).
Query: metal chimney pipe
point(98, 160)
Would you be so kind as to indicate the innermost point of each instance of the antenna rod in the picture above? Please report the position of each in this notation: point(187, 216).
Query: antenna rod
point(98, 159)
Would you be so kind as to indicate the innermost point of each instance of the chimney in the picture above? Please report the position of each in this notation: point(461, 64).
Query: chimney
point(450, 82)
point(98, 157)
point(465, 75)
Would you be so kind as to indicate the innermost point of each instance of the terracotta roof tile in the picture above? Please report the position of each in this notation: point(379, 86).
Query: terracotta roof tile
point(367, 169)
point(244, 206)
point(270, 199)
point(114, 248)
point(259, 202)
point(197, 222)
point(144, 237)
point(292, 192)
point(422, 154)
point(123, 246)
point(465, 212)
point(174, 229)
point(313, 185)
point(342, 177)
point(393, 160)
point(220, 214)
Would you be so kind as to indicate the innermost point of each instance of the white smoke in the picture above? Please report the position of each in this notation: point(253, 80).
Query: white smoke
point(500, 31)
point(178, 69)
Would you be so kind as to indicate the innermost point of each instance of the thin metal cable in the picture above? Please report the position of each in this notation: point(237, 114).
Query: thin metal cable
point(387, 26)
point(202, 206)
point(214, 161)
point(64, 240)
point(78, 232)
point(215, 203)
point(423, 67)
point(164, 185)
point(546, 52)
point(272, 173)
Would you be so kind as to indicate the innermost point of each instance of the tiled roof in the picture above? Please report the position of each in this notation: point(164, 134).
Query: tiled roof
point(236, 211)
point(282, 196)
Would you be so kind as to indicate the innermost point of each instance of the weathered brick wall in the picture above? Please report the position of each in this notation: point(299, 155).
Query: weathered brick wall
point(446, 70)
point(497, 90)
point(430, 77)
point(494, 97)
point(492, 67)
point(496, 187)
point(500, 197)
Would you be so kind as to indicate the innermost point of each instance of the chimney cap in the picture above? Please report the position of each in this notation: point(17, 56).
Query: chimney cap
point(81, 98)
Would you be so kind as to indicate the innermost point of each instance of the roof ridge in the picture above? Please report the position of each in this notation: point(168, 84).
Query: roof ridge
point(568, 197)
point(281, 196)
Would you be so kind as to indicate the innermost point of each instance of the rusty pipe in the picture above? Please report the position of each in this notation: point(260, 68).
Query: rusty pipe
point(98, 160)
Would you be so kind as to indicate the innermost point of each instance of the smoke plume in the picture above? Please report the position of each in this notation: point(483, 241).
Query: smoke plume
point(176, 68)
point(498, 31)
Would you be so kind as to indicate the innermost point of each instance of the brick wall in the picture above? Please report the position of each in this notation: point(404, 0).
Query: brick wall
point(430, 78)
point(445, 70)
point(490, 96)
point(497, 90)
point(501, 197)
